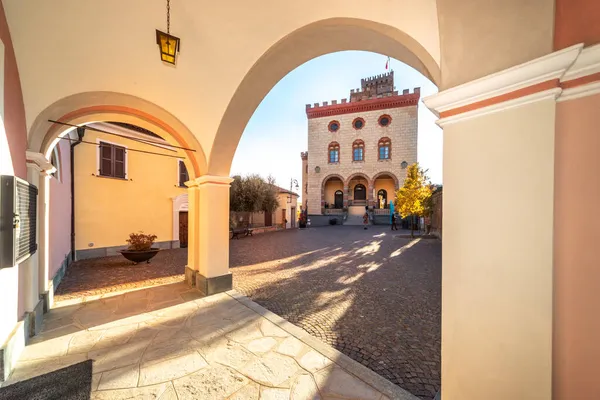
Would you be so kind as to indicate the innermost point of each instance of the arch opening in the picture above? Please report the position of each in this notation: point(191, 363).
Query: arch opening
point(311, 41)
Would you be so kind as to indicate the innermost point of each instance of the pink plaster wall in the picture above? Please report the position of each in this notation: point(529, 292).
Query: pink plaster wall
point(14, 110)
point(60, 212)
point(576, 347)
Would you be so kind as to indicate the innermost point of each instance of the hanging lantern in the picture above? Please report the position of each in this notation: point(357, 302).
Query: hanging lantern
point(168, 44)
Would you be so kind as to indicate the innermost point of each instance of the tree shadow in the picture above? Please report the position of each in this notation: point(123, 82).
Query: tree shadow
point(377, 299)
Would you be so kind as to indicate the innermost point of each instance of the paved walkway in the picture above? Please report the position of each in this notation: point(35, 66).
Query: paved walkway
point(166, 343)
point(369, 294)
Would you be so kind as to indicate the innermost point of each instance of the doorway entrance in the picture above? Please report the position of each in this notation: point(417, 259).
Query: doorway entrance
point(183, 229)
point(339, 199)
point(382, 198)
point(360, 192)
point(268, 219)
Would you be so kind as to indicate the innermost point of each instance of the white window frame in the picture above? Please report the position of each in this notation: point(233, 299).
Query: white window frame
point(98, 140)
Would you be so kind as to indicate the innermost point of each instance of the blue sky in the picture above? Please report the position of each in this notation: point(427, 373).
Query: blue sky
point(277, 132)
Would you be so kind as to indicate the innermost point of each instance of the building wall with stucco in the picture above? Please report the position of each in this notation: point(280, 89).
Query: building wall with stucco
point(108, 209)
point(402, 132)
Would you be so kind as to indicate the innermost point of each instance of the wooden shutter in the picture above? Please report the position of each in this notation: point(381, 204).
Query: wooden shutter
point(119, 161)
point(183, 174)
point(106, 159)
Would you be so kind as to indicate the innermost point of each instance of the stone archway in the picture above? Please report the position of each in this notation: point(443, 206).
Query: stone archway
point(90, 107)
point(329, 190)
point(297, 48)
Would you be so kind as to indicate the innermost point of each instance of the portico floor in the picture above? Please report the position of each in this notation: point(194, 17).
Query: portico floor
point(167, 343)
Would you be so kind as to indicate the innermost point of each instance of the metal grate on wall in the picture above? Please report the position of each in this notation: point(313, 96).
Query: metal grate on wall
point(26, 209)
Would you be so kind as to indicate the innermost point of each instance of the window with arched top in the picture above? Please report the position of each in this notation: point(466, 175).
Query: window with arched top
point(358, 150)
point(385, 148)
point(334, 153)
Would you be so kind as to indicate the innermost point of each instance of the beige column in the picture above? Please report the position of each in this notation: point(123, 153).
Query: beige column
point(33, 272)
point(208, 236)
point(497, 271)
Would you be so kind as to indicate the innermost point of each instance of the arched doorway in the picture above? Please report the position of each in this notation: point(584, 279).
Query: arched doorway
point(382, 198)
point(360, 192)
point(339, 199)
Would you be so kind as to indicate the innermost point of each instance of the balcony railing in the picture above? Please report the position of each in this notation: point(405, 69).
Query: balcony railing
point(381, 211)
point(333, 211)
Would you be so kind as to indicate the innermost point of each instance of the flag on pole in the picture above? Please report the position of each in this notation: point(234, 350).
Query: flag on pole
point(387, 64)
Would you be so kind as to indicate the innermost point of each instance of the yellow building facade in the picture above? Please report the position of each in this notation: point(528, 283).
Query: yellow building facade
point(107, 207)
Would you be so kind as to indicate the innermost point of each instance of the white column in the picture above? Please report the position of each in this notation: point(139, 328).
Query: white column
point(33, 272)
point(497, 271)
point(208, 236)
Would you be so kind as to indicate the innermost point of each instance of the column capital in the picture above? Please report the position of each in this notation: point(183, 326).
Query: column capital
point(39, 162)
point(209, 180)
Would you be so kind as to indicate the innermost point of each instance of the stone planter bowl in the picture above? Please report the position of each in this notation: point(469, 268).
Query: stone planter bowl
point(138, 256)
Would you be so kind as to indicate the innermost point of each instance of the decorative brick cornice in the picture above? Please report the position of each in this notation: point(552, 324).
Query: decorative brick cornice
point(404, 100)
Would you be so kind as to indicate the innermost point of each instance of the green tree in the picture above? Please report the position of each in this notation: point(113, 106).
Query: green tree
point(252, 193)
point(412, 198)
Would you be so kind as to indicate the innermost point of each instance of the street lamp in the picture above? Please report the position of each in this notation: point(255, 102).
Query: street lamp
point(292, 183)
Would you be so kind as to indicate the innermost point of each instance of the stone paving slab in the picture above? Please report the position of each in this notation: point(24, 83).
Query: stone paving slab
point(219, 347)
point(371, 294)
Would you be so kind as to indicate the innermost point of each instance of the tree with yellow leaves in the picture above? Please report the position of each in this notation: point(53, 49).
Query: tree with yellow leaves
point(412, 197)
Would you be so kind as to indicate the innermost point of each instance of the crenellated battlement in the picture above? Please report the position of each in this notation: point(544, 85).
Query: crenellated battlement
point(304, 155)
point(381, 78)
point(362, 96)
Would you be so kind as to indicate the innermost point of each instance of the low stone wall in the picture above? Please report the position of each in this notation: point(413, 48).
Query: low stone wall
point(114, 250)
point(323, 220)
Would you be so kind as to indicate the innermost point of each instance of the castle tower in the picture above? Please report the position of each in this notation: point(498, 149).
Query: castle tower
point(378, 85)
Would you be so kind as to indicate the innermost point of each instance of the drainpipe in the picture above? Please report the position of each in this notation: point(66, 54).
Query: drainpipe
point(80, 134)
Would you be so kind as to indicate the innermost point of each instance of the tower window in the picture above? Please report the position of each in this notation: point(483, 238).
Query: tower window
point(334, 153)
point(333, 126)
point(385, 120)
point(358, 123)
point(385, 148)
point(358, 150)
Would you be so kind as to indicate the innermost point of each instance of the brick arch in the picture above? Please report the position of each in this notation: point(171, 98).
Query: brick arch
point(357, 174)
point(324, 182)
point(328, 177)
point(393, 176)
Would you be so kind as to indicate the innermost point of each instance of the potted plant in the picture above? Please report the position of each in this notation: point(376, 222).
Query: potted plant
point(140, 248)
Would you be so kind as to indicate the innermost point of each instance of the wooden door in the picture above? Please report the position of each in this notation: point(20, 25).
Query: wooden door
point(268, 219)
point(283, 218)
point(183, 229)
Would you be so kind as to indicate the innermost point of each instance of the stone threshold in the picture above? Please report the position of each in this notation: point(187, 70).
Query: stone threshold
point(361, 372)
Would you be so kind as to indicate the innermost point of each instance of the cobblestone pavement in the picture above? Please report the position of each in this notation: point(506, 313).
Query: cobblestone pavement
point(166, 343)
point(373, 296)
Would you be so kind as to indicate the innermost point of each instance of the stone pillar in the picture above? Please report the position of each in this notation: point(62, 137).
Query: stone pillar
point(33, 272)
point(370, 195)
point(497, 297)
point(208, 236)
point(345, 195)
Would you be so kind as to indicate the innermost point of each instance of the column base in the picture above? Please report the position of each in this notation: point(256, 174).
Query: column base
point(36, 318)
point(214, 285)
point(190, 276)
